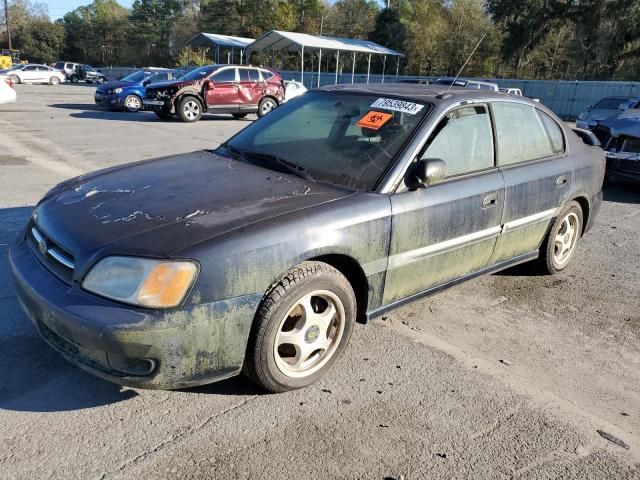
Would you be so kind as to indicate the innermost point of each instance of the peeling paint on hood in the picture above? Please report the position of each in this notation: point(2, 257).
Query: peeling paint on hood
point(182, 199)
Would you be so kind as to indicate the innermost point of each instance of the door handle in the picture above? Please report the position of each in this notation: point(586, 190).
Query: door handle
point(561, 181)
point(490, 200)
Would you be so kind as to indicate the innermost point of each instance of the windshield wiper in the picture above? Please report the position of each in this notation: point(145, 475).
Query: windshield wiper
point(286, 165)
point(235, 152)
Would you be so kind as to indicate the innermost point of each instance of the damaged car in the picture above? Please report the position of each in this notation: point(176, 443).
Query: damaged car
point(260, 255)
point(621, 141)
point(234, 89)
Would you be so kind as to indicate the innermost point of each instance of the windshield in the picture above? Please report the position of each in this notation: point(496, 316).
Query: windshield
point(198, 73)
point(611, 103)
point(342, 138)
point(135, 76)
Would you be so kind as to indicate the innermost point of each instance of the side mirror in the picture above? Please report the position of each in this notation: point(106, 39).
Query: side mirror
point(429, 171)
point(208, 85)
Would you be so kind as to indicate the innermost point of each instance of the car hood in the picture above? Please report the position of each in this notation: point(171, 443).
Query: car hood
point(162, 206)
point(109, 85)
point(171, 83)
point(627, 124)
point(602, 114)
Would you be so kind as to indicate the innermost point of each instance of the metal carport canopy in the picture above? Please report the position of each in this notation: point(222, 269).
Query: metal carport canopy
point(277, 40)
point(214, 40)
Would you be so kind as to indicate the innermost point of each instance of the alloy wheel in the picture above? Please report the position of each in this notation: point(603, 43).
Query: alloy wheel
point(191, 110)
point(133, 103)
point(267, 106)
point(309, 334)
point(566, 238)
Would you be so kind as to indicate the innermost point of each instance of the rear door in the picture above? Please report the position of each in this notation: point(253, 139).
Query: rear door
point(448, 230)
point(530, 150)
point(224, 94)
point(250, 89)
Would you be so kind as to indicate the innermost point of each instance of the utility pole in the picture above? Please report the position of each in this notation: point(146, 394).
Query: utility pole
point(6, 18)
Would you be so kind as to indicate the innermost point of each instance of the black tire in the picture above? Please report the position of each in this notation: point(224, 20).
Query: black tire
point(15, 78)
point(132, 103)
point(54, 81)
point(239, 116)
point(304, 279)
point(550, 259)
point(74, 78)
point(189, 109)
point(163, 113)
point(266, 105)
point(101, 80)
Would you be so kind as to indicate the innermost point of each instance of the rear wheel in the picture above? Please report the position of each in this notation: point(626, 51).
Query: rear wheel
point(189, 110)
point(101, 80)
point(266, 105)
point(132, 103)
point(564, 235)
point(54, 80)
point(238, 116)
point(74, 78)
point(301, 329)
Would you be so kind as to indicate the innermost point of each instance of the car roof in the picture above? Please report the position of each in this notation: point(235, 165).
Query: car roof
point(425, 93)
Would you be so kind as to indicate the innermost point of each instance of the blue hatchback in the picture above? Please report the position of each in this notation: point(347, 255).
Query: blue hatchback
point(128, 92)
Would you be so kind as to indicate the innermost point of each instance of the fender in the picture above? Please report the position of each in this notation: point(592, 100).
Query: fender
point(194, 90)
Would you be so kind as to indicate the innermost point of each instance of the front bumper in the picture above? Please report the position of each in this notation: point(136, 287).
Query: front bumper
point(164, 349)
point(155, 104)
point(622, 166)
point(108, 100)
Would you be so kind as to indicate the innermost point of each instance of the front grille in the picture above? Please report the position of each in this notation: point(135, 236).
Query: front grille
point(55, 258)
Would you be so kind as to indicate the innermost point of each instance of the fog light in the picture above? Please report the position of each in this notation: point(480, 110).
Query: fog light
point(134, 367)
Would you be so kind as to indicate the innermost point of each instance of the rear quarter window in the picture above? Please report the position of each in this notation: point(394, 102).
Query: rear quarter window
point(520, 134)
point(555, 132)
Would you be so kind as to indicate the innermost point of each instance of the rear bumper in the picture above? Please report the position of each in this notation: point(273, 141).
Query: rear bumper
point(163, 349)
point(596, 202)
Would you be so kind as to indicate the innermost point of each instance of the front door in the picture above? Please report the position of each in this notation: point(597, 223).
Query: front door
point(224, 94)
point(448, 230)
point(530, 154)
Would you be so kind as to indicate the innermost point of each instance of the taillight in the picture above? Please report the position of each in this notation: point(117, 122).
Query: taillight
point(9, 82)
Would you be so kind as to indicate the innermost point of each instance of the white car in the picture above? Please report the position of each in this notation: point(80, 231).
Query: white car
point(293, 89)
point(32, 73)
point(7, 93)
point(512, 91)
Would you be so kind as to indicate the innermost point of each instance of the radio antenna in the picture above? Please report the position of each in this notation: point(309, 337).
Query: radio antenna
point(466, 61)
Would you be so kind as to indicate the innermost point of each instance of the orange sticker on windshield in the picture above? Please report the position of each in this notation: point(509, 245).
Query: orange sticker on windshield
point(374, 120)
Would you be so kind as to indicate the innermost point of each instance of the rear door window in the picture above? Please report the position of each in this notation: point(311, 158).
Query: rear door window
point(248, 75)
point(464, 140)
point(266, 74)
point(520, 134)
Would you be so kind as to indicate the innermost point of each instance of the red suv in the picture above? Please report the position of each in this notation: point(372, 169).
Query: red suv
point(234, 89)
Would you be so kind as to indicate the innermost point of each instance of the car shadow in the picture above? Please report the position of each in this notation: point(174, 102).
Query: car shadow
point(622, 190)
point(145, 116)
point(35, 378)
point(239, 385)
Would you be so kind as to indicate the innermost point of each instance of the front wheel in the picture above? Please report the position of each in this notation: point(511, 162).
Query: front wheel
point(14, 78)
point(189, 110)
point(74, 78)
point(54, 81)
point(101, 80)
point(301, 329)
point(562, 240)
point(132, 103)
point(266, 105)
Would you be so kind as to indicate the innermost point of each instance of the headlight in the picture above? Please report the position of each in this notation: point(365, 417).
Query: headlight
point(142, 281)
point(117, 90)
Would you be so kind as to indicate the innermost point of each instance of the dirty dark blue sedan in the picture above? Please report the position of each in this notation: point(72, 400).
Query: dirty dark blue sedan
point(261, 255)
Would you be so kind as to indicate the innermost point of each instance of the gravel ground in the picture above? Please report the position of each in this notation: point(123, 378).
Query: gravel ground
point(507, 376)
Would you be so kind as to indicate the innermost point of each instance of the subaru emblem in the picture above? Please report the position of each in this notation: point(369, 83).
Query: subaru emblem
point(42, 246)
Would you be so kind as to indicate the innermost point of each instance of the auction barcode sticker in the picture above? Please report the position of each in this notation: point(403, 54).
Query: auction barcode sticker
point(397, 105)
